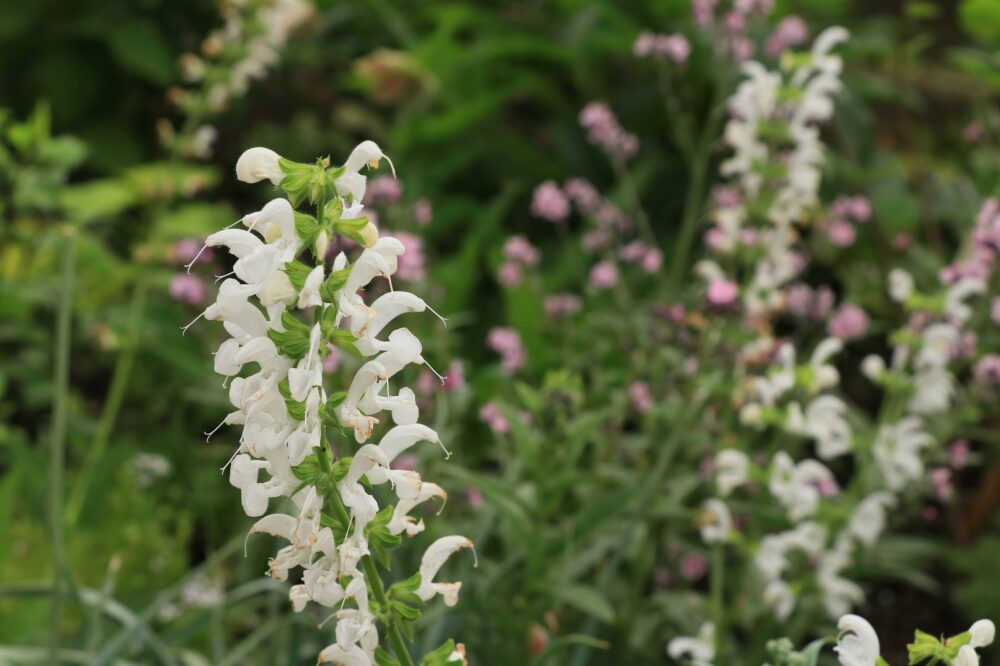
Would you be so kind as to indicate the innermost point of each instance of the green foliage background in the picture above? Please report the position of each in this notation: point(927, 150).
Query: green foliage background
point(487, 108)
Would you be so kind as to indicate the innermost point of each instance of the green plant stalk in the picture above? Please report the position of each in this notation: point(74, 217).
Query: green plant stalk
point(695, 192)
point(112, 404)
point(717, 590)
point(57, 450)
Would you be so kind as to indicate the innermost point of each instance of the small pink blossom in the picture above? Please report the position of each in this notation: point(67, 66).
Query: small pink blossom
point(902, 241)
point(427, 383)
point(549, 203)
point(694, 567)
point(509, 274)
point(722, 293)
point(423, 212)
point(640, 397)
point(604, 275)
point(798, 299)
point(823, 300)
point(474, 496)
point(561, 305)
point(716, 240)
point(958, 453)
point(791, 31)
point(189, 289)
point(595, 240)
point(972, 132)
point(987, 370)
point(848, 322)
point(454, 380)
point(940, 480)
point(519, 250)
point(604, 131)
point(186, 250)
point(827, 487)
point(332, 361)
point(490, 415)
point(841, 233)
point(995, 310)
point(674, 47)
point(507, 343)
point(383, 189)
point(411, 264)
point(582, 194)
point(406, 462)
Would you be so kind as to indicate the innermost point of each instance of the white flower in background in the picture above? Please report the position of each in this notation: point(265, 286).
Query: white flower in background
point(716, 521)
point(955, 306)
point(873, 367)
point(869, 517)
point(700, 649)
point(938, 344)
point(897, 451)
point(731, 470)
point(900, 285)
point(825, 421)
point(839, 594)
point(857, 643)
point(797, 485)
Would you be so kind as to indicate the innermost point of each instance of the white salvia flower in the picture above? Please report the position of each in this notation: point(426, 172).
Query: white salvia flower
point(434, 558)
point(954, 303)
point(824, 374)
point(857, 644)
point(873, 366)
point(779, 597)
point(257, 164)
point(967, 656)
point(279, 404)
point(716, 521)
point(731, 469)
point(839, 594)
point(869, 517)
point(938, 343)
point(402, 522)
point(900, 285)
point(352, 183)
point(983, 632)
point(934, 389)
point(699, 649)
point(796, 486)
point(897, 451)
point(824, 420)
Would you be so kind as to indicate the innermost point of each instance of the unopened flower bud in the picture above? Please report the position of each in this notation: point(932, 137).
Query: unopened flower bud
point(323, 243)
point(257, 164)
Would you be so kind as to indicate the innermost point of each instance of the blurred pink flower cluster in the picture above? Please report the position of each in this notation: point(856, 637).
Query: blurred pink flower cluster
point(186, 287)
point(844, 213)
point(985, 250)
point(673, 47)
point(728, 28)
point(604, 131)
point(507, 342)
point(518, 254)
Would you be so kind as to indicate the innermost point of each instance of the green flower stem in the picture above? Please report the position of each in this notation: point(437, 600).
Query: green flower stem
point(717, 591)
point(112, 404)
point(57, 450)
point(695, 191)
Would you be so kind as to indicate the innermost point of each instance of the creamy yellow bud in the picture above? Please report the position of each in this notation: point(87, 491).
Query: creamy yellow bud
point(322, 243)
point(369, 235)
